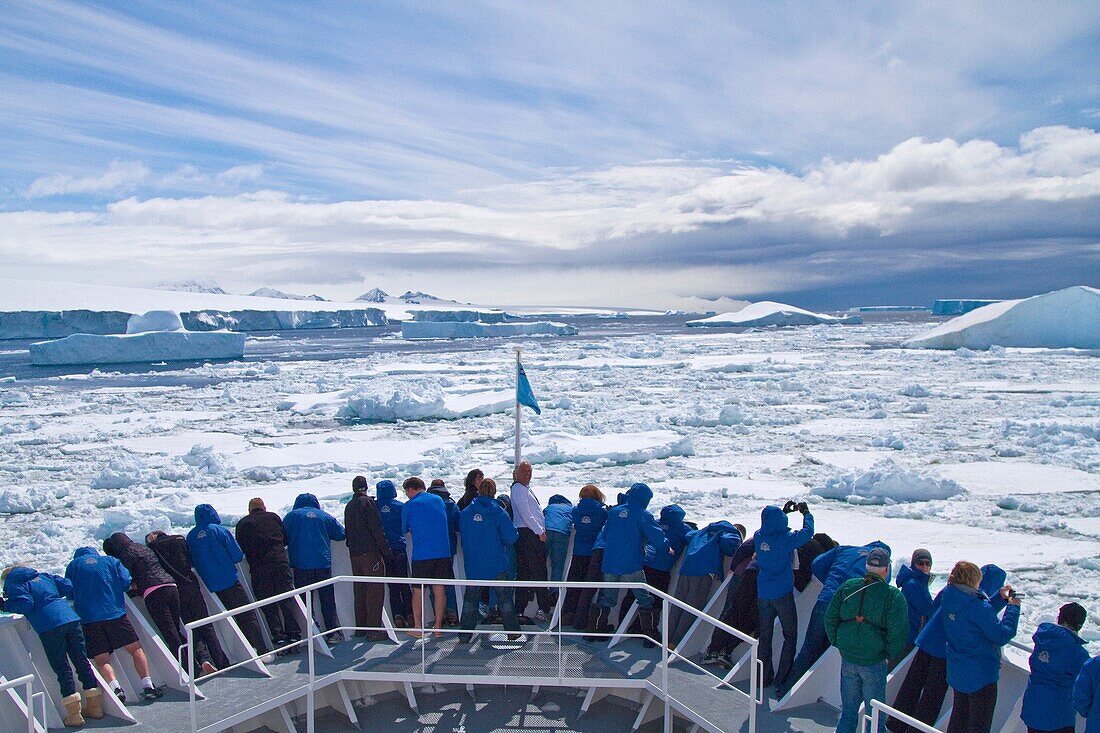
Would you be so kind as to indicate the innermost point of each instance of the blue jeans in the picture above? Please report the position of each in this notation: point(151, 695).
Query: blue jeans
point(471, 598)
point(326, 595)
point(782, 608)
point(608, 596)
point(557, 547)
point(858, 686)
point(63, 644)
point(814, 645)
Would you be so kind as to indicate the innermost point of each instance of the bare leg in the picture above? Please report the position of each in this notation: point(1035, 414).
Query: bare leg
point(103, 664)
point(141, 664)
point(439, 596)
point(418, 611)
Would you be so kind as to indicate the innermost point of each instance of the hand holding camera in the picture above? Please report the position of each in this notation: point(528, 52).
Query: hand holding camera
point(790, 507)
point(803, 508)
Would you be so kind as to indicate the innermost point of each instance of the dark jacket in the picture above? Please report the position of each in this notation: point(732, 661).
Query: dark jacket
point(487, 535)
point(363, 525)
point(676, 533)
point(774, 544)
point(214, 551)
point(932, 639)
point(706, 549)
point(175, 558)
point(310, 530)
point(628, 530)
point(809, 552)
point(40, 597)
point(452, 516)
point(262, 538)
point(389, 508)
point(99, 586)
point(974, 637)
point(1057, 660)
point(914, 586)
point(589, 516)
point(868, 621)
point(1086, 695)
point(140, 561)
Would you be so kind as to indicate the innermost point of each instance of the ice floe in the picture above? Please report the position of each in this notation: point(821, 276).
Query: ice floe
point(770, 313)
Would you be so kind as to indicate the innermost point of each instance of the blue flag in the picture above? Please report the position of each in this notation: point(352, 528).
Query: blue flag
point(524, 395)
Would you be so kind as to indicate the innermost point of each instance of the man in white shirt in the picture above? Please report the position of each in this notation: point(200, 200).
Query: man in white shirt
point(531, 545)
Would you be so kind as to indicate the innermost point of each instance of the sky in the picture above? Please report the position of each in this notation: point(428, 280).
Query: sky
point(611, 153)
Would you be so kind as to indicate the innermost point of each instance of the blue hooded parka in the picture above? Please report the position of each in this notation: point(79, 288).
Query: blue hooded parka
point(558, 515)
point(914, 584)
point(389, 508)
point(676, 533)
point(214, 550)
point(774, 544)
point(487, 535)
point(932, 638)
point(1057, 660)
point(628, 530)
point(98, 585)
point(1086, 695)
point(842, 563)
point(706, 548)
point(40, 597)
point(974, 637)
point(309, 530)
point(589, 516)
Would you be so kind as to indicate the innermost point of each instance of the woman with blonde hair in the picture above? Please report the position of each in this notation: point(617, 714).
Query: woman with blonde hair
point(974, 639)
point(589, 516)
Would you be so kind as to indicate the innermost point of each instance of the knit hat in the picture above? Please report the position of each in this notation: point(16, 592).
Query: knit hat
point(920, 554)
point(359, 484)
point(1072, 615)
point(256, 503)
point(878, 558)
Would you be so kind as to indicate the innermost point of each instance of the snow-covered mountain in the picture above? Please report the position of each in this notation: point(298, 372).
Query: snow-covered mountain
point(192, 286)
point(273, 293)
point(378, 295)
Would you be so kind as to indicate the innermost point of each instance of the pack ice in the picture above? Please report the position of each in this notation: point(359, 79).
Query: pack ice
point(151, 337)
point(1068, 318)
point(472, 324)
point(770, 313)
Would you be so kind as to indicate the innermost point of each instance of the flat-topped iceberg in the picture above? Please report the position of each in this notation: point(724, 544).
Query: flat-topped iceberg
point(1068, 318)
point(152, 337)
point(770, 313)
point(467, 329)
point(958, 306)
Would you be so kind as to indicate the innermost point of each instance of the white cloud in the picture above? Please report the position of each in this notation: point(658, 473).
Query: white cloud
point(119, 175)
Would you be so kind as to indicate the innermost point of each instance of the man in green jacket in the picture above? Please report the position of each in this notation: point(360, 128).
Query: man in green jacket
point(868, 622)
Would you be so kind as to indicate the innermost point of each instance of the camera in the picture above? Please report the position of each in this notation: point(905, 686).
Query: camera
point(790, 507)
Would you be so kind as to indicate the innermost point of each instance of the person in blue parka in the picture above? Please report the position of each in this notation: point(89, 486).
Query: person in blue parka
point(1086, 695)
point(914, 579)
point(1057, 660)
point(658, 566)
point(389, 508)
point(487, 535)
point(775, 543)
point(589, 517)
point(924, 688)
point(310, 530)
point(974, 639)
point(833, 568)
point(97, 587)
point(41, 598)
point(558, 519)
point(630, 527)
point(215, 554)
point(703, 565)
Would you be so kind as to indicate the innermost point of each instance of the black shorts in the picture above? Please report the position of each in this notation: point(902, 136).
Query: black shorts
point(439, 567)
point(104, 637)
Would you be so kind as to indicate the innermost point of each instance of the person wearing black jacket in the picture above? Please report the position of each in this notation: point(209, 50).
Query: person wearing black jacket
point(370, 553)
point(470, 488)
point(175, 558)
point(260, 535)
point(159, 591)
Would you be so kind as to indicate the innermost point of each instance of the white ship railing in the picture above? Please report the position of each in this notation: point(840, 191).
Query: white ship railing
point(29, 697)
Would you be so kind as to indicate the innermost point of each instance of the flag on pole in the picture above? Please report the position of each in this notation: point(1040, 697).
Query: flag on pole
point(524, 394)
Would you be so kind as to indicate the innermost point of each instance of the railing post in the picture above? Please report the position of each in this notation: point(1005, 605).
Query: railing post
point(664, 663)
point(191, 677)
point(309, 691)
point(875, 713)
point(30, 705)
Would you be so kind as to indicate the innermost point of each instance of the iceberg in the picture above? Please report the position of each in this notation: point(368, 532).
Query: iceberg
point(561, 447)
point(151, 337)
point(1062, 319)
point(956, 306)
point(887, 483)
point(466, 329)
point(769, 313)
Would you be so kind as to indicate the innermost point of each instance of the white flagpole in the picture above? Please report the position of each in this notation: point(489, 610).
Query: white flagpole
point(518, 349)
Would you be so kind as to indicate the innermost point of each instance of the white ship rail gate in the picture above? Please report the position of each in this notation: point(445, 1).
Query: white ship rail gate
point(547, 657)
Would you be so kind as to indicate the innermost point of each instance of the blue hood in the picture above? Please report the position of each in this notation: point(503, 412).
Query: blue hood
point(385, 490)
point(306, 500)
point(672, 514)
point(21, 575)
point(993, 579)
point(639, 495)
point(206, 514)
point(84, 552)
point(908, 573)
point(559, 499)
point(773, 520)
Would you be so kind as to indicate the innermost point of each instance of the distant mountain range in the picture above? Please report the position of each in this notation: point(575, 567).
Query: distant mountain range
point(378, 295)
point(273, 293)
point(374, 295)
